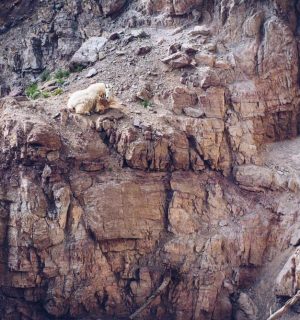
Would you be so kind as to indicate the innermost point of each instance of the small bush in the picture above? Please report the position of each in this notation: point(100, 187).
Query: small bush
point(45, 94)
point(78, 68)
point(32, 91)
point(45, 76)
point(60, 81)
point(61, 74)
point(146, 103)
point(58, 91)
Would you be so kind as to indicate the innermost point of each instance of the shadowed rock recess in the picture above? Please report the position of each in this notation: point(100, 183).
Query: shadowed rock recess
point(194, 175)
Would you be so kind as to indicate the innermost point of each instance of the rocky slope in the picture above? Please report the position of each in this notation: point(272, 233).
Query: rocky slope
point(192, 176)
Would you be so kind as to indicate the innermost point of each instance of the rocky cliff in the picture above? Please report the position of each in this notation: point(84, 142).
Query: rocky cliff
point(195, 176)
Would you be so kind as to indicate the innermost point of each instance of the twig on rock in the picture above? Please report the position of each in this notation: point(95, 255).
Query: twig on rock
point(285, 308)
point(159, 290)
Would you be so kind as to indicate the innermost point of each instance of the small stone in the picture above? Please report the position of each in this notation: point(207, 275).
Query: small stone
point(143, 50)
point(189, 48)
point(200, 30)
point(178, 60)
point(175, 47)
point(91, 73)
point(205, 59)
point(144, 93)
point(114, 36)
point(222, 64)
point(128, 39)
point(193, 112)
point(161, 41)
point(48, 84)
point(139, 33)
point(101, 56)
point(211, 47)
point(295, 238)
point(16, 91)
point(294, 184)
point(223, 223)
point(137, 123)
point(120, 53)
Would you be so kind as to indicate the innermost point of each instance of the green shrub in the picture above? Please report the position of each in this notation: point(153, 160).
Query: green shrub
point(57, 92)
point(60, 81)
point(146, 103)
point(32, 91)
point(45, 76)
point(78, 68)
point(61, 74)
point(45, 94)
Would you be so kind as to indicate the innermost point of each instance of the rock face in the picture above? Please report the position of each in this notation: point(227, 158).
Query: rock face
point(173, 182)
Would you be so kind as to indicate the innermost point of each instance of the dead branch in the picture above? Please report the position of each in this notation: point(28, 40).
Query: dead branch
point(159, 290)
point(286, 307)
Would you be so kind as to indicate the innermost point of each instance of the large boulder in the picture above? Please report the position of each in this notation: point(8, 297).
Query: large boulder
point(254, 177)
point(88, 52)
point(110, 7)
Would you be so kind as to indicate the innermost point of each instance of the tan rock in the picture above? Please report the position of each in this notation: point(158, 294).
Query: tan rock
point(204, 59)
point(183, 98)
point(124, 223)
point(254, 177)
point(288, 280)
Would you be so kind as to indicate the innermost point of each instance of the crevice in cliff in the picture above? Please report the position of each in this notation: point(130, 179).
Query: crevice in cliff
point(169, 196)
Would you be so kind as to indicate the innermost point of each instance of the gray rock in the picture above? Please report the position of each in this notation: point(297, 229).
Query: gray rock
point(254, 177)
point(48, 84)
point(88, 52)
point(139, 33)
point(137, 122)
point(91, 73)
point(143, 50)
point(193, 112)
point(101, 56)
point(110, 7)
point(115, 36)
point(120, 52)
point(200, 30)
point(247, 307)
point(178, 60)
point(16, 91)
point(33, 55)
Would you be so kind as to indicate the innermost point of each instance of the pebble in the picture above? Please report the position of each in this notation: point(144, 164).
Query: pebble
point(101, 55)
point(137, 123)
point(120, 53)
point(139, 33)
point(193, 112)
point(91, 73)
point(143, 50)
